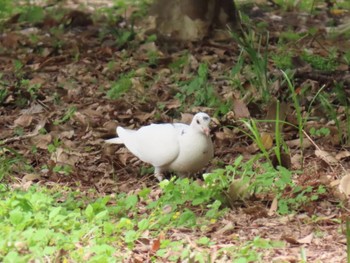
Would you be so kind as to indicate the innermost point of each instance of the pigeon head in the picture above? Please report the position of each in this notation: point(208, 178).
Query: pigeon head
point(201, 122)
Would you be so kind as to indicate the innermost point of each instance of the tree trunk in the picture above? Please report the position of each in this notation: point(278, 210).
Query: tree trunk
point(192, 20)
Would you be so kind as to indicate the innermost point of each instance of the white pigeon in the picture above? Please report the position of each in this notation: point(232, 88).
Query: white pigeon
point(178, 147)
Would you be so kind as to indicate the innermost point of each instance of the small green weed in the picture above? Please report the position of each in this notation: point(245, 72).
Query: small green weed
point(37, 224)
point(282, 60)
point(289, 5)
point(257, 177)
point(255, 47)
point(121, 86)
point(198, 92)
point(178, 64)
point(3, 90)
point(319, 132)
point(32, 89)
point(8, 158)
point(300, 196)
point(52, 147)
point(251, 251)
point(330, 109)
point(67, 116)
point(319, 62)
point(288, 36)
point(32, 14)
point(346, 57)
point(3, 95)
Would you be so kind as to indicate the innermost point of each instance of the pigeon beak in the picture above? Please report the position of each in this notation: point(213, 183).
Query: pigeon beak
point(206, 131)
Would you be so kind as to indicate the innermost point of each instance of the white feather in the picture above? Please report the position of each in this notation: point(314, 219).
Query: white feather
point(179, 147)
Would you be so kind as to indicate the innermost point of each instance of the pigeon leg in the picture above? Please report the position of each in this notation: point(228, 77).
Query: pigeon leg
point(158, 173)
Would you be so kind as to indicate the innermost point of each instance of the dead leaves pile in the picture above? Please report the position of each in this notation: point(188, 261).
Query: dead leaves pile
point(65, 121)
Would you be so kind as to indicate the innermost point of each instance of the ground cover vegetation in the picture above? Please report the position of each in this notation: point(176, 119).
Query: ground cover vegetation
point(277, 189)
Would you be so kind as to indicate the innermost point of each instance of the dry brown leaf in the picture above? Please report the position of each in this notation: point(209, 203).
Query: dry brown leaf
point(342, 155)
point(221, 231)
point(60, 156)
point(267, 140)
point(35, 108)
point(10, 40)
point(296, 143)
point(172, 104)
point(78, 116)
point(334, 183)
point(24, 120)
point(220, 136)
point(290, 239)
point(296, 161)
point(273, 207)
point(240, 109)
point(156, 243)
point(123, 155)
point(306, 240)
point(30, 177)
point(253, 148)
point(137, 85)
point(344, 185)
point(41, 141)
point(327, 157)
point(186, 118)
point(66, 134)
point(271, 114)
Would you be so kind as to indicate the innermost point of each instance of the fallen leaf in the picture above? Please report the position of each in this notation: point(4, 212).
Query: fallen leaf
point(296, 143)
point(24, 120)
point(30, 177)
point(60, 156)
point(156, 243)
point(344, 185)
point(226, 228)
point(326, 156)
point(66, 134)
point(342, 155)
point(296, 161)
point(290, 240)
point(186, 118)
point(273, 207)
point(271, 114)
point(240, 109)
point(41, 141)
point(306, 240)
point(267, 140)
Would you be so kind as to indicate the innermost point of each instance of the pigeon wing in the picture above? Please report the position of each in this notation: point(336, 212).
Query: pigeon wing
point(157, 144)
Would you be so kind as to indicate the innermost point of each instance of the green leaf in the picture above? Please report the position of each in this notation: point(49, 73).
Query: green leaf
point(130, 236)
point(16, 217)
point(131, 201)
point(54, 212)
point(187, 218)
point(203, 241)
point(143, 224)
point(89, 212)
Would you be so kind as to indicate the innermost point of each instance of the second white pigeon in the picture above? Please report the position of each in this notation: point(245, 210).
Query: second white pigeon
point(178, 147)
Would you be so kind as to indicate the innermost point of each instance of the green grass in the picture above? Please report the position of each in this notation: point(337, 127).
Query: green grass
point(199, 92)
point(121, 86)
point(41, 224)
point(319, 62)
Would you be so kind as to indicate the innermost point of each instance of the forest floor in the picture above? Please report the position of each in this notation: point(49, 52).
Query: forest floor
point(67, 81)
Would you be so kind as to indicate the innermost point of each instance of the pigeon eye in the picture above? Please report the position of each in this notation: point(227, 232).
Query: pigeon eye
point(198, 122)
point(206, 118)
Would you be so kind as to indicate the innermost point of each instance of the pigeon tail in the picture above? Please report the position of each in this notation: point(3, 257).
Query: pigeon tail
point(116, 140)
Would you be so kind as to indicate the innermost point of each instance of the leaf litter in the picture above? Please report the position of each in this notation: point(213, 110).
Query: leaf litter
point(65, 114)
